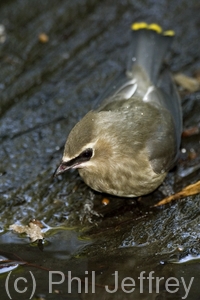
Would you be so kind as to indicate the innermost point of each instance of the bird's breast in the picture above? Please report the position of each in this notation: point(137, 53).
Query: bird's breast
point(126, 177)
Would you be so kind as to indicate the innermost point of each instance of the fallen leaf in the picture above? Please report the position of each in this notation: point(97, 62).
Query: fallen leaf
point(186, 82)
point(32, 230)
point(190, 131)
point(190, 190)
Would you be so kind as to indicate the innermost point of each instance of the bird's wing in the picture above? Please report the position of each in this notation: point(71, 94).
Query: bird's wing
point(162, 144)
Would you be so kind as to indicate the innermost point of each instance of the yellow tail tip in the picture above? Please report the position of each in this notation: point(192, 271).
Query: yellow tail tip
point(138, 26)
point(155, 27)
point(169, 32)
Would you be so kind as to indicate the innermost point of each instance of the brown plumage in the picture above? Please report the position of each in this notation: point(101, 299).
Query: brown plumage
point(127, 145)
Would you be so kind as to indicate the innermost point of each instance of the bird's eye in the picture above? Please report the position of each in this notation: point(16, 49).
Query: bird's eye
point(87, 153)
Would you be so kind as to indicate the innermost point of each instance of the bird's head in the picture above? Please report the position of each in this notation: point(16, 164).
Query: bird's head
point(87, 145)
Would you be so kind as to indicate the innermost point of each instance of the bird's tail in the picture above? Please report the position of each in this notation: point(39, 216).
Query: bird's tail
point(149, 46)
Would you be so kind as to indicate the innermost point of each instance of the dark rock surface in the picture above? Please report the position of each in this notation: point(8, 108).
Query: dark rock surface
point(45, 88)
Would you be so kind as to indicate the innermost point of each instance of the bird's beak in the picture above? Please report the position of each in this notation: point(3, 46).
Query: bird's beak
point(61, 168)
point(74, 163)
point(64, 166)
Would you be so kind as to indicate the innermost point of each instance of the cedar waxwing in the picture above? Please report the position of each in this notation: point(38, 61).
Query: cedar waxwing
point(126, 146)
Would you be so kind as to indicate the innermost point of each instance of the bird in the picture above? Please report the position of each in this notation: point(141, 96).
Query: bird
point(128, 143)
